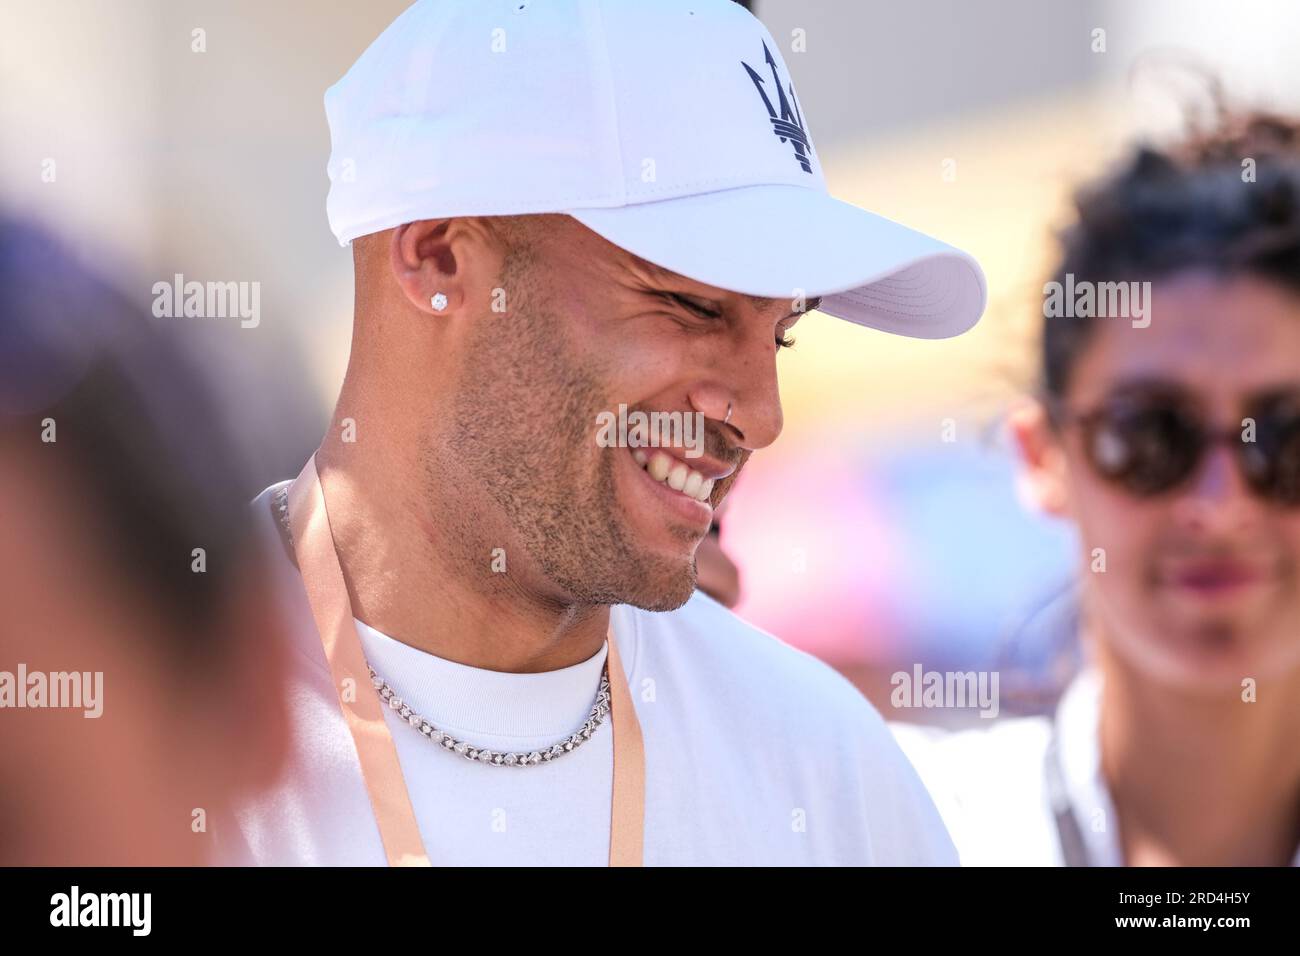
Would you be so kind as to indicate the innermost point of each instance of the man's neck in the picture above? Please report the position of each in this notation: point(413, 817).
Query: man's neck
point(1199, 781)
point(414, 571)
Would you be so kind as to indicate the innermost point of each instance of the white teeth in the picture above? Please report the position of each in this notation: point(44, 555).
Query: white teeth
point(675, 474)
point(677, 477)
point(659, 467)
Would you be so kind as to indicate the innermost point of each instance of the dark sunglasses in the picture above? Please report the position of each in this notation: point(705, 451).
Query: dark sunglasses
point(1150, 444)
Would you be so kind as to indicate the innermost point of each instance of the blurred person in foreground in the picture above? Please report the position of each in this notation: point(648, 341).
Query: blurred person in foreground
point(139, 696)
point(504, 657)
point(1173, 444)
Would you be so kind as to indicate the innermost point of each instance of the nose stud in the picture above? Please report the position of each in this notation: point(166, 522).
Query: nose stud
point(439, 302)
point(728, 418)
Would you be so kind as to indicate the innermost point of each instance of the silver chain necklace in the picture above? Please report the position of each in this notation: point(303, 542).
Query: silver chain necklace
point(495, 758)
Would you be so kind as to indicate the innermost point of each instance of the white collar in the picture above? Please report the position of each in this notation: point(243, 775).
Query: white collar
point(1077, 728)
point(469, 700)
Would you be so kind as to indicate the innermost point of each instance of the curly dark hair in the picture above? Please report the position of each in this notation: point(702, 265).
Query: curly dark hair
point(1189, 205)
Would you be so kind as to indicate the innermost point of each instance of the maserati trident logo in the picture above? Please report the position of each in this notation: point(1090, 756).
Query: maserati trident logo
point(787, 124)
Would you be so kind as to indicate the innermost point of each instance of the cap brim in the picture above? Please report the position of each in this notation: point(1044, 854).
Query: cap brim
point(783, 241)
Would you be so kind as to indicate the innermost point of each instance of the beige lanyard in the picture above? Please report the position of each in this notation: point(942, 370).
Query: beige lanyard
point(364, 711)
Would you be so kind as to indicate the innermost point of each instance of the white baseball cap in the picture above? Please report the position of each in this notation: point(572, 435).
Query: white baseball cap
point(669, 127)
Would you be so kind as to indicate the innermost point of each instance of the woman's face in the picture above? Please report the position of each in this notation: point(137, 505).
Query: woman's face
point(1200, 585)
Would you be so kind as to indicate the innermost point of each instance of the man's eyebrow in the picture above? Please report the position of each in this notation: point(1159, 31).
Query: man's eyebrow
point(659, 273)
point(760, 303)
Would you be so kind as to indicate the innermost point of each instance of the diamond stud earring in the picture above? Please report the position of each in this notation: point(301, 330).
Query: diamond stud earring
point(439, 302)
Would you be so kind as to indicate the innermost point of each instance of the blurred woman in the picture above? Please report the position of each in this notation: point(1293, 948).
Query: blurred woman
point(139, 686)
point(1173, 444)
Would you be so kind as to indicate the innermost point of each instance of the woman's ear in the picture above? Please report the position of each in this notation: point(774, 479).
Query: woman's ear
point(1041, 483)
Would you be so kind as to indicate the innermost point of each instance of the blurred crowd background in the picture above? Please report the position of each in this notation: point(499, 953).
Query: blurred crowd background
point(156, 137)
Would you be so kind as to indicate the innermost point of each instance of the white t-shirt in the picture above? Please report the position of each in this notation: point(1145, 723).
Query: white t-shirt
point(756, 753)
point(994, 788)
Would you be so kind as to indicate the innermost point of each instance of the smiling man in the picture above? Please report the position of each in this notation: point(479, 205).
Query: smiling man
point(557, 209)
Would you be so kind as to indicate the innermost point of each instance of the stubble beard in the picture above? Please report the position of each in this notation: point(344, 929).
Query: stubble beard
point(524, 432)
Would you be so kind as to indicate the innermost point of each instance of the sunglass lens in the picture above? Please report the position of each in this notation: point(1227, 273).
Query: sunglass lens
point(1272, 461)
point(1146, 449)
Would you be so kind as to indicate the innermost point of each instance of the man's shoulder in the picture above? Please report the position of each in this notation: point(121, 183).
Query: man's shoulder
point(762, 677)
point(1007, 748)
point(1006, 753)
point(752, 696)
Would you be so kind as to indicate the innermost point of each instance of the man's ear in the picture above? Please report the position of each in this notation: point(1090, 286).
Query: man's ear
point(441, 265)
point(1042, 482)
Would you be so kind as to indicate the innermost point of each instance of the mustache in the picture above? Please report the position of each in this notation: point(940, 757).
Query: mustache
point(717, 445)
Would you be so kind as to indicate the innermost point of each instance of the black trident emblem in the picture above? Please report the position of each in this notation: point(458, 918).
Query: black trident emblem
point(786, 124)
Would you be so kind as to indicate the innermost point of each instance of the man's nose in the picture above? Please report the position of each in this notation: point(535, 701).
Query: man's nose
point(743, 396)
